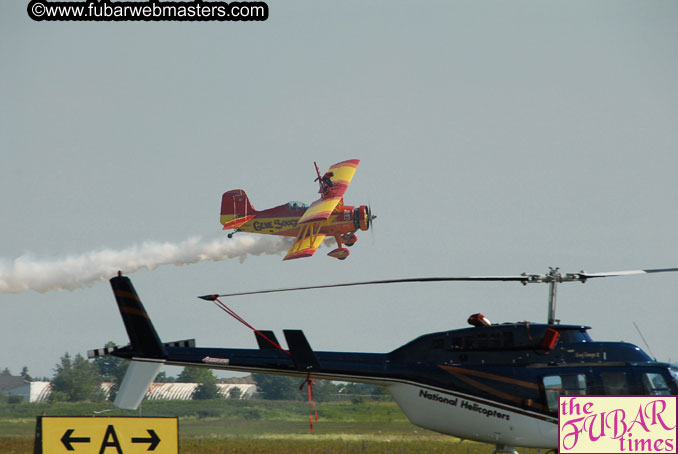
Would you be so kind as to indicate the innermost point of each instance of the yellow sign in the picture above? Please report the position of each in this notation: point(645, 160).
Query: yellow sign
point(104, 435)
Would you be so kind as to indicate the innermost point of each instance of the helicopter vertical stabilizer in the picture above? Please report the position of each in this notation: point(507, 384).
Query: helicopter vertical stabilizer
point(142, 335)
point(264, 338)
point(138, 378)
point(302, 355)
point(147, 351)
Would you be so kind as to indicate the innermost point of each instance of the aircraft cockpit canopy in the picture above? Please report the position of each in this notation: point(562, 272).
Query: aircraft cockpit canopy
point(295, 205)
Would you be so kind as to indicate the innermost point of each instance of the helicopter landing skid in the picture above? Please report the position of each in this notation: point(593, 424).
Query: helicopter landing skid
point(504, 449)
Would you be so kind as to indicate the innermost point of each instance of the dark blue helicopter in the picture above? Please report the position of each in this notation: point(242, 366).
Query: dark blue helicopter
point(495, 383)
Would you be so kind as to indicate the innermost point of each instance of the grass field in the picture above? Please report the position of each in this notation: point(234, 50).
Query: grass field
point(258, 426)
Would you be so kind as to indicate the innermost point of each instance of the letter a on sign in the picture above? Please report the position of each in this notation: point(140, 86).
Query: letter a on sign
point(110, 433)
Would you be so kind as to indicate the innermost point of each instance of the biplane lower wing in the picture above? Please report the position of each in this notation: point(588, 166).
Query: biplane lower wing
point(308, 240)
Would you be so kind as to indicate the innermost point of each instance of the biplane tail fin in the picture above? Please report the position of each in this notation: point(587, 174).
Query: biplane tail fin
point(236, 209)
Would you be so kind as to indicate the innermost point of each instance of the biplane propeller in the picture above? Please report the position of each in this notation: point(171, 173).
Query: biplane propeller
point(309, 225)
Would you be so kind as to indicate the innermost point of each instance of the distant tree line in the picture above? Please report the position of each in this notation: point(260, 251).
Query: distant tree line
point(77, 379)
point(24, 373)
point(275, 387)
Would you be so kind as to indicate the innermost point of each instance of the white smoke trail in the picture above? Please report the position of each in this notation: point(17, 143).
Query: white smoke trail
point(27, 273)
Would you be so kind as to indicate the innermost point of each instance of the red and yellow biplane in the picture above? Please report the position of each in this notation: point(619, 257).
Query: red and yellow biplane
point(309, 224)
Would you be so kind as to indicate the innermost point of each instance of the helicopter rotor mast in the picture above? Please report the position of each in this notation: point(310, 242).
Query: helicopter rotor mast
point(552, 298)
point(555, 277)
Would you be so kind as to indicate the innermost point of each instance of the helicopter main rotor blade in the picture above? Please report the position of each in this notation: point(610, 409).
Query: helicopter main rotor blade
point(522, 279)
point(585, 275)
point(552, 277)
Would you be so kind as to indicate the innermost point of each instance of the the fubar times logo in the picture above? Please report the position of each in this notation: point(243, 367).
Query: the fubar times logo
point(617, 424)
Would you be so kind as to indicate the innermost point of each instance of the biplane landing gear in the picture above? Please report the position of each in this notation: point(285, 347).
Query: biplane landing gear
point(350, 240)
point(339, 253)
point(230, 235)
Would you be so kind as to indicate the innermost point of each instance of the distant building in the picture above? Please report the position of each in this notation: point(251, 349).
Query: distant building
point(39, 391)
point(29, 391)
point(184, 391)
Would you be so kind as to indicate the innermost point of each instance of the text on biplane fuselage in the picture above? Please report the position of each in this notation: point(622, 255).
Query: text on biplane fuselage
point(276, 224)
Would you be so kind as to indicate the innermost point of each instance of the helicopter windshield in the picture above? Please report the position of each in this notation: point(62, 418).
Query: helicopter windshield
point(674, 373)
point(294, 205)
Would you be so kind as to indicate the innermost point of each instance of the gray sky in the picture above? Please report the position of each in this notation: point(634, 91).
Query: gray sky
point(494, 138)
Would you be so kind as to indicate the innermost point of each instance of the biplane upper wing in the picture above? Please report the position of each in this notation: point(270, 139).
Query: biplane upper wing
point(340, 176)
point(308, 240)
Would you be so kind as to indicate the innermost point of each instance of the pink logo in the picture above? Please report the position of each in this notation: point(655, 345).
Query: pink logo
point(617, 424)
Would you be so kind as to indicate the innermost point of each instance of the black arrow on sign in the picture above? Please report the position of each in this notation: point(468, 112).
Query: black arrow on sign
point(154, 440)
point(67, 439)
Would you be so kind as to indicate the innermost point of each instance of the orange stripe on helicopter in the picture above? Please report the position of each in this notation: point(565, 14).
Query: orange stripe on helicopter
point(133, 311)
point(477, 373)
point(124, 294)
point(129, 307)
point(462, 375)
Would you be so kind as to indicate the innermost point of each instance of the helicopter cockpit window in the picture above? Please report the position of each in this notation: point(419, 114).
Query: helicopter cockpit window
point(615, 383)
point(674, 374)
point(656, 385)
point(565, 385)
point(294, 205)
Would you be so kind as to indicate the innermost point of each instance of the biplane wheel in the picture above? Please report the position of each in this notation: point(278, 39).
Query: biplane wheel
point(350, 240)
point(339, 253)
point(230, 235)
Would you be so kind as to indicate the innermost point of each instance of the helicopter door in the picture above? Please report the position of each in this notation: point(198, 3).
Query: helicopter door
point(616, 383)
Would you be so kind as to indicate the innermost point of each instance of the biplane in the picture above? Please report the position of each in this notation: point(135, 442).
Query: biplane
point(308, 224)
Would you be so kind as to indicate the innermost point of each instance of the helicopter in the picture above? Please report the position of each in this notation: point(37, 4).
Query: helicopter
point(493, 383)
